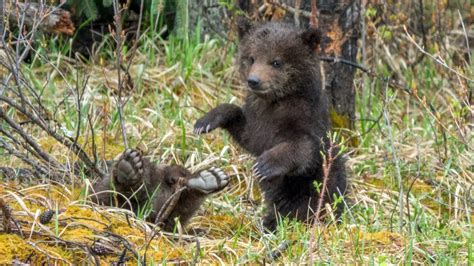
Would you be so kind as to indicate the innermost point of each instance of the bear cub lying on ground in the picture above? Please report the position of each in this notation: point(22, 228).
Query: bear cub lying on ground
point(284, 121)
point(142, 182)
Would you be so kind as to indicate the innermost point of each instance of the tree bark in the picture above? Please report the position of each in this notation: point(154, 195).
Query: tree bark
point(47, 18)
point(339, 22)
point(210, 15)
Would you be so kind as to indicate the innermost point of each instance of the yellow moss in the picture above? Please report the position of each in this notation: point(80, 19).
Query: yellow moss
point(383, 238)
point(133, 234)
point(92, 218)
point(377, 182)
point(76, 193)
point(82, 235)
point(13, 247)
point(160, 249)
point(107, 147)
point(343, 124)
point(56, 251)
point(226, 219)
point(419, 187)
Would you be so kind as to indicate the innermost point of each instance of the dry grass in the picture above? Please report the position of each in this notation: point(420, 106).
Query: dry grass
point(431, 151)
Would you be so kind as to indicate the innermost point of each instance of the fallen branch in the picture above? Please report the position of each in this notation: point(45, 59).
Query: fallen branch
point(47, 18)
point(170, 203)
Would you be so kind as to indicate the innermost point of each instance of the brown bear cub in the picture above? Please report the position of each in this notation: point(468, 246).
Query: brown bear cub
point(144, 183)
point(284, 121)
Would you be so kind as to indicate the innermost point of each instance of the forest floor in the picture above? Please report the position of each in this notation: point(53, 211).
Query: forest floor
point(408, 155)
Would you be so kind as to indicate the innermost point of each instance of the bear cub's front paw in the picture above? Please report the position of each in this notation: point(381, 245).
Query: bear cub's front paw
point(209, 181)
point(208, 123)
point(266, 168)
point(129, 168)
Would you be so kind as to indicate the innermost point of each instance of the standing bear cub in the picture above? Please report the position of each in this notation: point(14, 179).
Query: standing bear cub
point(135, 180)
point(284, 121)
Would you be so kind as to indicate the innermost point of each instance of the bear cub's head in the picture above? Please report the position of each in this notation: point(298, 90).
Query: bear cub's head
point(277, 59)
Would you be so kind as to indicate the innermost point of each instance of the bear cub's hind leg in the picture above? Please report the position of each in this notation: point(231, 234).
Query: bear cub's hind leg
point(129, 168)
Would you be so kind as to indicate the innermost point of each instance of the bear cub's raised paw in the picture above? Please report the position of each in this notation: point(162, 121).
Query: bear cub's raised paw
point(207, 124)
point(220, 116)
point(129, 168)
point(209, 181)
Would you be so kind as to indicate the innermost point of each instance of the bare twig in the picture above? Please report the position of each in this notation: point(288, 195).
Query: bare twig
point(66, 141)
point(119, 37)
point(26, 100)
point(53, 19)
point(328, 161)
point(197, 252)
point(466, 38)
point(31, 143)
point(170, 204)
point(38, 168)
point(437, 59)
point(166, 209)
point(6, 212)
point(276, 253)
point(344, 61)
point(327, 164)
point(396, 162)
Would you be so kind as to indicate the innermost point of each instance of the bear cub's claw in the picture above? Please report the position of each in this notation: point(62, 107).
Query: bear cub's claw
point(209, 181)
point(265, 169)
point(206, 124)
point(129, 168)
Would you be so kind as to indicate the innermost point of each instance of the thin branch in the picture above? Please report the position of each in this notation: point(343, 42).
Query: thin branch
point(344, 61)
point(53, 19)
point(438, 59)
point(466, 38)
point(169, 205)
point(17, 128)
point(328, 160)
point(119, 35)
point(396, 162)
point(38, 168)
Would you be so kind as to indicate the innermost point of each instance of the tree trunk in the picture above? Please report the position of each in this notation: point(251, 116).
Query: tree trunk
point(47, 18)
point(210, 16)
point(338, 20)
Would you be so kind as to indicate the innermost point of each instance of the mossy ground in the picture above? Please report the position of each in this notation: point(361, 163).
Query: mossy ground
point(406, 153)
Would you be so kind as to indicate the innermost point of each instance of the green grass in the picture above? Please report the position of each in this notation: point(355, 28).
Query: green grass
point(178, 80)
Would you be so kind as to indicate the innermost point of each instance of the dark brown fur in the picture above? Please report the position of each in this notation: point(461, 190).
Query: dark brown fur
point(135, 178)
point(284, 121)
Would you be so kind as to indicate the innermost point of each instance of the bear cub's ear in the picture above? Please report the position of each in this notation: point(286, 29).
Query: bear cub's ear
point(311, 38)
point(244, 25)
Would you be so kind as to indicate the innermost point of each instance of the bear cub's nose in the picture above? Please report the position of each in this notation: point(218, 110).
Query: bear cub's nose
point(254, 82)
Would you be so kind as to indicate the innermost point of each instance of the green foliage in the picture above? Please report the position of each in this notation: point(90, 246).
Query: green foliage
point(87, 8)
point(184, 78)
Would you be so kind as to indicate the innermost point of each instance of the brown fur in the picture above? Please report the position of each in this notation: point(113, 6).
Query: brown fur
point(284, 121)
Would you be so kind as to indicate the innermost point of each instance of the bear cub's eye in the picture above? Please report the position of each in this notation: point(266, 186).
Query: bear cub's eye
point(251, 60)
point(277, 63)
